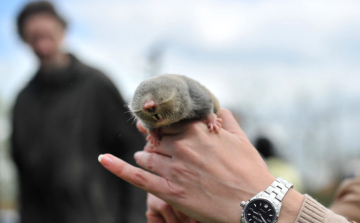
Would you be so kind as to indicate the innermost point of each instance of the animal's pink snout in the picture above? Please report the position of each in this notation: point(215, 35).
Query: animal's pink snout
point(150, 106)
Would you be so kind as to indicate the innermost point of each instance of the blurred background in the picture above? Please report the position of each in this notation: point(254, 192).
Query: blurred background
point(289, 70)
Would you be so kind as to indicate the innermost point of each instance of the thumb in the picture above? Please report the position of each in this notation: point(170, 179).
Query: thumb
point(141, 127)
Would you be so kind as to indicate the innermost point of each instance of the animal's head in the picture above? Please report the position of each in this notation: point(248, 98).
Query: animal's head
point(160, 101)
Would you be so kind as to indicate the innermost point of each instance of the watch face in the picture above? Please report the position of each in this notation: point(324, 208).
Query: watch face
point(260, 211)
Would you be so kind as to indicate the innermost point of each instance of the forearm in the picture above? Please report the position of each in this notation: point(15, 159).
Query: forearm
point(291, 206)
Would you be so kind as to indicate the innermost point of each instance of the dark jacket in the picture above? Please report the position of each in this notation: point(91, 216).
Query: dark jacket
point(62, 121)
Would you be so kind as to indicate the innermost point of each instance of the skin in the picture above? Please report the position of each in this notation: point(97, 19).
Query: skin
point(160, 212)
point(201, 174)
point(45, 34)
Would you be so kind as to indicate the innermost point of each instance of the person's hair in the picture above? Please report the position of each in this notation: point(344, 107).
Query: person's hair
point(34, 8)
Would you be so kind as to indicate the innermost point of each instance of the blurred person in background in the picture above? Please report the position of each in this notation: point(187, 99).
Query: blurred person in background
point(347, 199)
point(65, 116)
point(277, 165)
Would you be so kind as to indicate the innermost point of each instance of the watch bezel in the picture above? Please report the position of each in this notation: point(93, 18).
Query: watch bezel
point(257, 198)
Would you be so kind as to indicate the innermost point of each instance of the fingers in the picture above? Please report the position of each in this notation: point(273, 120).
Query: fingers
point(174, 145)
point(154, 217)
point(183, 218)
point(153, 162)
point(141, 127)
point(159, 211)
point(158, 207)
point(166, 215)
point(164, 148)
point(136, 176)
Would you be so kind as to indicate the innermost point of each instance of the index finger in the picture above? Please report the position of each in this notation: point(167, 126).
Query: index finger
point(140, 178)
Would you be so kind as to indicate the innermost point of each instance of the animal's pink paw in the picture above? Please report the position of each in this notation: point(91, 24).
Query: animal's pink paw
point(213, 122)
point(153, 138)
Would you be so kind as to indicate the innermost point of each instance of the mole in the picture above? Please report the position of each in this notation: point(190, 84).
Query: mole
point(169, 98)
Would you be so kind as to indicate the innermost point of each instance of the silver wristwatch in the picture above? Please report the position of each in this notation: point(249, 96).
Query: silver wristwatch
point(265, 206)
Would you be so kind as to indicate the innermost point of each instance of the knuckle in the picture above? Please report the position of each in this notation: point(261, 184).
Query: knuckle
point(149, 214)
point(138, 178)
point(164, 207)
point(149, 162)
point(176, 192)
point(146, 161)
point(153, 218)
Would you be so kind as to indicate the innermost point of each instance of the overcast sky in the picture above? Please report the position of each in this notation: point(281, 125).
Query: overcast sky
point(284, 47)
point(263, 57)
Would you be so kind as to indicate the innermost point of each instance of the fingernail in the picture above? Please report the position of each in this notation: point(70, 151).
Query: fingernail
point(105, 161)
point(100, 156)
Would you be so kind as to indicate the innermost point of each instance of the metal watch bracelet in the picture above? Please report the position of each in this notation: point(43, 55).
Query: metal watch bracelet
point(273, 195)
point(277, 190)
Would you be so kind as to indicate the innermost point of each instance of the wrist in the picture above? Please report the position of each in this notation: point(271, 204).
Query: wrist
point(277, 203)
point(291, 205)
point(253, 187)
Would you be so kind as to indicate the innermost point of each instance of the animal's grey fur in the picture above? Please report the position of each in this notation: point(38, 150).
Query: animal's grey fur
point(178, 98)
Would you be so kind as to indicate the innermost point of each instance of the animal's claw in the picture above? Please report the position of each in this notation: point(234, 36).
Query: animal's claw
point(153, 138)
point(214, 123)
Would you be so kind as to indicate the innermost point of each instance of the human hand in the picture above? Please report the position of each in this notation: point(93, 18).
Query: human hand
point(161, 212)
point(204, 175)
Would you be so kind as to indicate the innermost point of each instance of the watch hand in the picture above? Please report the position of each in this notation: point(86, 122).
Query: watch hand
point(262, 218)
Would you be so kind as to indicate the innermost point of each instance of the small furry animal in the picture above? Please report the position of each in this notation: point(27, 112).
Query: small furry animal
point(169, 98)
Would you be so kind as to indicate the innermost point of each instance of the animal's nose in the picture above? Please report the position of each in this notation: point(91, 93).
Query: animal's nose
point(150, 106)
